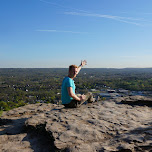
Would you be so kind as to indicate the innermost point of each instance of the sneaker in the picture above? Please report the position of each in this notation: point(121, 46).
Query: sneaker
point(91, 99)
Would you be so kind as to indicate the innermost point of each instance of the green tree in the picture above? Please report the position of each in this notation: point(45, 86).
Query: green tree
point(4, 106)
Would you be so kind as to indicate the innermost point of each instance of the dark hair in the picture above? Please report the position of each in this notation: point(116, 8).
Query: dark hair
point(72, 66)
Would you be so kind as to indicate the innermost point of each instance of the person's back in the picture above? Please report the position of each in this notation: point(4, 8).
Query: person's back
point(67, 82)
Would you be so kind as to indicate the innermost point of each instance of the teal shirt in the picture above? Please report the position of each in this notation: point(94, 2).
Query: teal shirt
point(67, 82)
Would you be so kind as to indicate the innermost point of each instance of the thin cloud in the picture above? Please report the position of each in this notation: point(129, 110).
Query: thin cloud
point(128, 20)
point(46, 30)
point(138, 13)
point(61, 31)
point(101, 15)
point(62, 6)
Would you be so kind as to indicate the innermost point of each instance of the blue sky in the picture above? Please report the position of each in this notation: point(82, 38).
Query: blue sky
point(58, 33)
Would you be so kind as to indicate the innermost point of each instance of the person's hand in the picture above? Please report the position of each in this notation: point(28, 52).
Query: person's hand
point(82, 97)
point(83, 63)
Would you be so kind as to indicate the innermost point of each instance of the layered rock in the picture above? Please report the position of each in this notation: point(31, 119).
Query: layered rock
point(136, 100)
point(103, 126)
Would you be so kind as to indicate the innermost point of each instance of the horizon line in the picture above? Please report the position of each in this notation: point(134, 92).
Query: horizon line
point(68, 67)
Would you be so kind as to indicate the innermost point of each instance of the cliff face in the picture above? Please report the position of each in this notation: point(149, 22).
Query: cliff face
point(103, 126)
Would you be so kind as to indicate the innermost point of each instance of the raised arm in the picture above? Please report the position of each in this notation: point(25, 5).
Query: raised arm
point(83, 63)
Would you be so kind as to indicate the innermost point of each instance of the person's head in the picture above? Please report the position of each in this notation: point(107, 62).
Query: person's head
point(73, 69)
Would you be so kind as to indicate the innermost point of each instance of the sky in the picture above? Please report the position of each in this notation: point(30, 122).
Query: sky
point(58, 33)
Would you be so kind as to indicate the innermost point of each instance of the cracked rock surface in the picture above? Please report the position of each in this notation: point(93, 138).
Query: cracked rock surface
point(104, 126)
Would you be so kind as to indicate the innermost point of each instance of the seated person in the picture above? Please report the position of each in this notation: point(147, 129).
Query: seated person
point(69, 98)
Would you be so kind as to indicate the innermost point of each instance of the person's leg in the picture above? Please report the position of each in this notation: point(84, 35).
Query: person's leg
point(72, 104)
point(89, 97)
point(75, 103)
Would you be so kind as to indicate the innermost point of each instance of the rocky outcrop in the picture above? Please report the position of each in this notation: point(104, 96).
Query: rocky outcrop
point(136, 100)
point(104, 126)
point(14, 136)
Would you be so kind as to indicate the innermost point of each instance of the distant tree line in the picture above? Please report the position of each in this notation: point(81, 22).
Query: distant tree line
point(25, 86)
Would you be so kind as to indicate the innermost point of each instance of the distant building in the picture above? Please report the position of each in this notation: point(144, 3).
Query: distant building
point(123, 91)
point(111, 91)
point(93, 90)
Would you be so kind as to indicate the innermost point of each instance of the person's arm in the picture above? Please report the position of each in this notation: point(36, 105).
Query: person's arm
point(83, 63)
point(74, 96)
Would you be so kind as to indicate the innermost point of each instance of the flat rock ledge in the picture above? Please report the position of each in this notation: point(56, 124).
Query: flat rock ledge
point(136, 100)
point(104, 126)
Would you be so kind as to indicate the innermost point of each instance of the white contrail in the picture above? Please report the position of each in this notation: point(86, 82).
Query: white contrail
point(118, 18)
point(61, 31)
point(128, 20)
point(55, 4)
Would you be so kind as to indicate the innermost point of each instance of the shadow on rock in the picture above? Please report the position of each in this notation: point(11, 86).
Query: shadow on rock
point(4, 121)
point(12, 126)
point(39, 139)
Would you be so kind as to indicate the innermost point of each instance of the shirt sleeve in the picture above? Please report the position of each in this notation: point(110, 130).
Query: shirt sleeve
point(69, 83)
